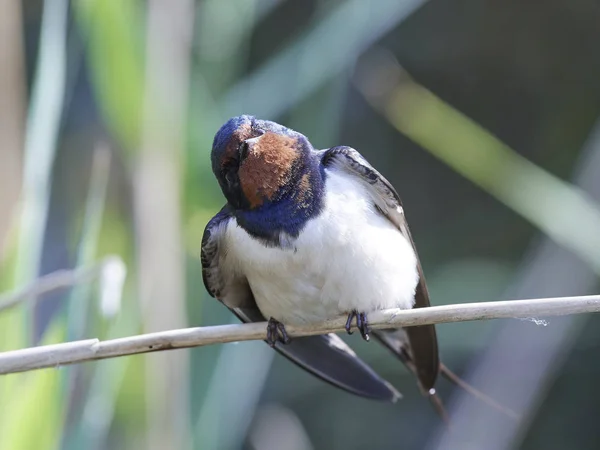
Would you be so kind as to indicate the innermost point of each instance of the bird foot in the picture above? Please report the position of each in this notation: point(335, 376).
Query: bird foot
point(276, 333)
point(361, 323)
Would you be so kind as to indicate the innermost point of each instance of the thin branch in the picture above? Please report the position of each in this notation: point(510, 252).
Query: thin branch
point(48, 283)
point(57, 355)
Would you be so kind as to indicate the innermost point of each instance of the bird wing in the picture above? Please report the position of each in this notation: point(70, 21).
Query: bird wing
point(328, 356)
point(422, 340)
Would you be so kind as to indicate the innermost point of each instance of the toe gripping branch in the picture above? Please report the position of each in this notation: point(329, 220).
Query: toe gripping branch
point(362, 324)
point(276, 333)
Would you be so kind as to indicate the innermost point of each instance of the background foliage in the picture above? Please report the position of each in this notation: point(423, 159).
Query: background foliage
point(484, 116)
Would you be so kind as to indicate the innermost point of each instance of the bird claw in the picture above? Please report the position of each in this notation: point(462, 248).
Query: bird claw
point(276, 333)
point(361, 323)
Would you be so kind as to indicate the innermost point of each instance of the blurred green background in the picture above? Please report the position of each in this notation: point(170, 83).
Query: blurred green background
point(483, 114)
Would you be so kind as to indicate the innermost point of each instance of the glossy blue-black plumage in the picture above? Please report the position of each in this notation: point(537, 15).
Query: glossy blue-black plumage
point(223, 137)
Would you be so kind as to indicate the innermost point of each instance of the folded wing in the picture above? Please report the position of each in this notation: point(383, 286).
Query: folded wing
point(422, 340)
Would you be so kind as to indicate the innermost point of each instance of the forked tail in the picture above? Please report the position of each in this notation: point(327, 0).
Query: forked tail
point(397, 342)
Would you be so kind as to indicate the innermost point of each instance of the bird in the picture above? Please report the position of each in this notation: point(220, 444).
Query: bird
point(308, 235)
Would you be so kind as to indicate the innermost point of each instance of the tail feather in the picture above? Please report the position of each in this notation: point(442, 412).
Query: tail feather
point(453, 378)
point(397, 342)
point(438, 405)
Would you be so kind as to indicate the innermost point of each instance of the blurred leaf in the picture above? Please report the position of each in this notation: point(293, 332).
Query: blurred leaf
point(563, 211)
point(315, 56)
point(114, 30)
point(43, 126)
point(12, 322)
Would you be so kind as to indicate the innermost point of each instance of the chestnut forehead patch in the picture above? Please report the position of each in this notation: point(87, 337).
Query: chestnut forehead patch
point(267, 167)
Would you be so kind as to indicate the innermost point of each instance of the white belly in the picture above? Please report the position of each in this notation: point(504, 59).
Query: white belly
point(349, 257)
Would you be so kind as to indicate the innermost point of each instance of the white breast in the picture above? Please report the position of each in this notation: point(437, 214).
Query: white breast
point(349, 257)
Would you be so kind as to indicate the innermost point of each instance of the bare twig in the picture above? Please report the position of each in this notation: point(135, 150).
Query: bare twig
point(56, 280)
point(93, 349)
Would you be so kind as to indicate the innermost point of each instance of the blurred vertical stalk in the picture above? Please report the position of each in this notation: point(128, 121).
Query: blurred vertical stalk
point(11, 113)
point(157, 213)
point(233, 394)
point(79, 299)
point(78, 306)
point(43, 123)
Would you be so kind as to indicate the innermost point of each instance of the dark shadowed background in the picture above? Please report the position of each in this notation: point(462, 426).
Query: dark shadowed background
point(483, 114)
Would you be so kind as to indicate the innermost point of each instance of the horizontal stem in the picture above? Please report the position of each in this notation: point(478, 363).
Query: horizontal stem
point(92, 349)
point(60, 279)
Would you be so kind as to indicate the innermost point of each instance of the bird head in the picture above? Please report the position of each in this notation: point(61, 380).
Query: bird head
point(259, 162)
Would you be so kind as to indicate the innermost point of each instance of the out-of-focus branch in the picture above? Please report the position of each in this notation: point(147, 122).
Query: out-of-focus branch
point(93, 349)
point(56, 280)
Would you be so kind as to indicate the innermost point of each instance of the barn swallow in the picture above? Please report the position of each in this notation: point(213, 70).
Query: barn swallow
point(309, 235)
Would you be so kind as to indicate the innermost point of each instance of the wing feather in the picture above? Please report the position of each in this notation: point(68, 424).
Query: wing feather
point(422, 339)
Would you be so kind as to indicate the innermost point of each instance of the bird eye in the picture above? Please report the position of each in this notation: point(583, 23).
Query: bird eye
point(243, 150)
